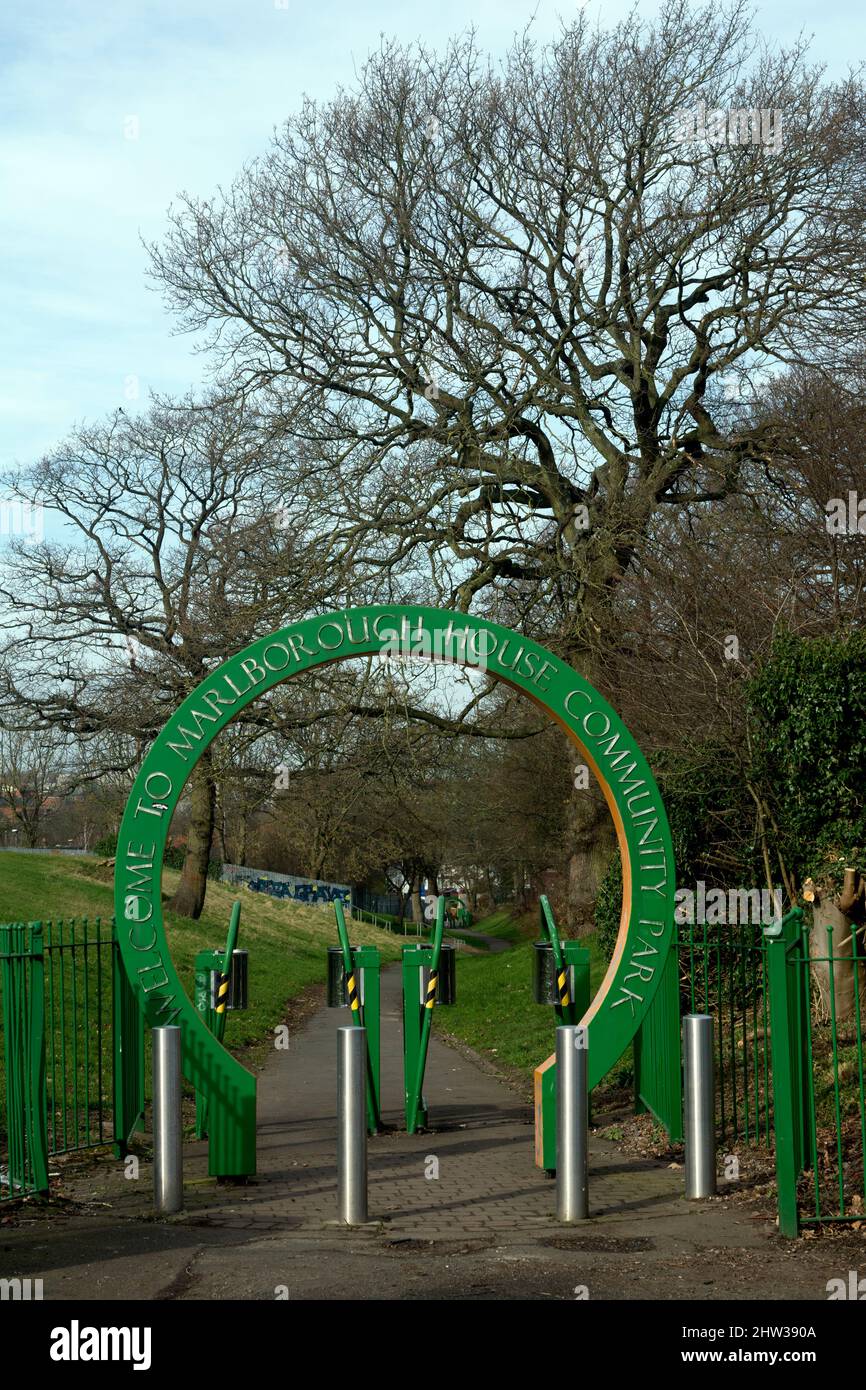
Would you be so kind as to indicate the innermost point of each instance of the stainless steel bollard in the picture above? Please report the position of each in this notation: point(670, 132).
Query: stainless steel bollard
point(167, 1130)
point(352, 1125)
point(572, 1121)
point(699, 1105)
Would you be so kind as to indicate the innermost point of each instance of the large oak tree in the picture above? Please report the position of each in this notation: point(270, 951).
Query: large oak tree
point(498, 308)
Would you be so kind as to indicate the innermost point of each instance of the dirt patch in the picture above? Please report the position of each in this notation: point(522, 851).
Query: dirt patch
point(410, 1246)
point(599, 1245)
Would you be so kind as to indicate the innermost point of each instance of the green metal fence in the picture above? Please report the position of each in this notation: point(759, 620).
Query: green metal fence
point(72, 1049)
point(400, 928)
point(723, 973)
point(789, 1007)
point(23, 1141)
point(818, 998)
point(718, 970)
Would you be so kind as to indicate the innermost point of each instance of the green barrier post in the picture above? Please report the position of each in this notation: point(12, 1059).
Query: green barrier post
point(366, 1014)
point(211, 1003)
point(414, 1098)
point(569, 958)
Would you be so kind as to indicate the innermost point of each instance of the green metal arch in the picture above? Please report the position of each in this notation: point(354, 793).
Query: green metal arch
point(646, 925)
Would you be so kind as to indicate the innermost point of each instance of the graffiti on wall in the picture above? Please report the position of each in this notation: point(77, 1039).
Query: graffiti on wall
point(313, 891)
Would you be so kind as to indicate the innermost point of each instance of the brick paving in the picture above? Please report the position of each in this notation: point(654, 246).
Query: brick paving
point(480, 1142)
point(483, 1229)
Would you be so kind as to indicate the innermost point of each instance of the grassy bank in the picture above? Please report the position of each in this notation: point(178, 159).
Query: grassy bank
point(495, 1013)
point(287, 941)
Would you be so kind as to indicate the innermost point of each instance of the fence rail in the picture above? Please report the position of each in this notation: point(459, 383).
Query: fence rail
point(400, 928)
point(723, 973)
point(789, 1007)
point(72, 1049)
point(718, 970)
point(821, 1105)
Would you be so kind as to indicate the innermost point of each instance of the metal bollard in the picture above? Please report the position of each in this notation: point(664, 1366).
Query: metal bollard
point(572, 1120)
point(352, 1125)
point(699, 1105)
point(167, 1131)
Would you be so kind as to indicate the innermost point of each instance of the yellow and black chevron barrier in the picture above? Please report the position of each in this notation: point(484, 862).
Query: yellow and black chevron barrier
point(562, 986)
point(222, 994)
point(352, 991)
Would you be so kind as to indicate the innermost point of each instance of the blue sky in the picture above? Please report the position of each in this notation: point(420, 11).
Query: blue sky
point(106, 111)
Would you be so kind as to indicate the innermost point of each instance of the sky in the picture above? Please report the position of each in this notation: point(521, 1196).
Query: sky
point(108, 110)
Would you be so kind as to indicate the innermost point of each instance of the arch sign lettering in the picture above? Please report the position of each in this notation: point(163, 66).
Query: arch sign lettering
point(646, 924)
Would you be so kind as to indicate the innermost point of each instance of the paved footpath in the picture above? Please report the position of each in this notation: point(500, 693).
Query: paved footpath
point(458, 1212)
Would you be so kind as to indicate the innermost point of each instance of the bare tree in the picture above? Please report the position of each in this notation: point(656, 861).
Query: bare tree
point(174, 553)
point(497, 311)
point(33, 779)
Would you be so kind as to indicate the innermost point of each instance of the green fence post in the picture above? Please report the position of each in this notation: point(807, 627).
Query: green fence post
point(799, 963)
point(225, 973)
point(351, 965)
point(565, 1009)
point(367, 963)
point(22, 981)
point(411, 959)
point(37, 1099)
point(786, 1052)
point(127, 1024)
point(658, 1055)
point(415, 1052)
point(207, 964)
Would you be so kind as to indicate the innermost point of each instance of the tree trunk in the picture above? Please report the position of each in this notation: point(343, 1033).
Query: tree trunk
point(591, 840)
point(188, 901)
point(590, 833)
point(832, 934)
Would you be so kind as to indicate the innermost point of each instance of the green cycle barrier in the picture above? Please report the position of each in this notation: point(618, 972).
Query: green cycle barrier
point(360, 980)
point(560, 978)
point(424, 985)
point(428, 978)
point(457, 914)
point(220, 985)
point(362, 985)
point(604, 743)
